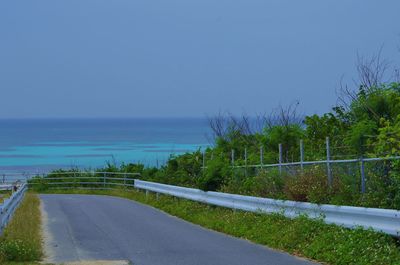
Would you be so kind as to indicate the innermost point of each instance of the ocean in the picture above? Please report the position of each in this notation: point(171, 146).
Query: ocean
point(40, 145)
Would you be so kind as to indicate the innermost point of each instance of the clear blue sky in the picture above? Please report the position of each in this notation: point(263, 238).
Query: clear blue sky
point(146, 58)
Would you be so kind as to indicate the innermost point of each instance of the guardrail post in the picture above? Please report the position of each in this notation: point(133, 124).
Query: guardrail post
point(301, 155)
point(280, 158)
point(261, 156)
point(125, 180)
point(104, 179)
point(362, 171)
point(328, 164)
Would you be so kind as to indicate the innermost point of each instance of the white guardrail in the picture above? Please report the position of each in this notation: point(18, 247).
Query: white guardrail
point(382, 220)
point(6, 187)
point(9, 205)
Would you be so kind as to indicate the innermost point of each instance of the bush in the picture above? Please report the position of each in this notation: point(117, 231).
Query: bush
point(18, 250)
point(269, 184)
point(310, 186)
point(216, 174)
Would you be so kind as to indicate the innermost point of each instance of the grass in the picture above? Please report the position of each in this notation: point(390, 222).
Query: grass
point(21, 240)
point(4, 195)
point(301, 236)
point(22, 263)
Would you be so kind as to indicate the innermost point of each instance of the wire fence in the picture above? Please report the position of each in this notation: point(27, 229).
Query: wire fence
point(362, 174)
point(356, 170)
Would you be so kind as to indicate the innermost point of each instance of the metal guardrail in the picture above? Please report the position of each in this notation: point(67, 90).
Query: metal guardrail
point(9, 205)
point(381, 220)
point(85, 180)
point(6, 186)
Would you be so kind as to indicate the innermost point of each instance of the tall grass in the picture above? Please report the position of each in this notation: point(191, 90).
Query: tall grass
point(300, 236)
point(21, 239)
point(4, 195)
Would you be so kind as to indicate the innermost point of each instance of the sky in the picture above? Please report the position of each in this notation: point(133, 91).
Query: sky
point(184, 58)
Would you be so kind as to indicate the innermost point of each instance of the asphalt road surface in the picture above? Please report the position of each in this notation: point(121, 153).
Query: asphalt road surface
point(87, 227)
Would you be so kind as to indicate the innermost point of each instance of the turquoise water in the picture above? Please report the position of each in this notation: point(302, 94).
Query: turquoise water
point(41, 145)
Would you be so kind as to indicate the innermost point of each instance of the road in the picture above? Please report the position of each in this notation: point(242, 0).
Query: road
point(89, 227)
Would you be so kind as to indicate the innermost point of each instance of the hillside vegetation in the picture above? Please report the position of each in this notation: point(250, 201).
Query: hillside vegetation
point(368, 126)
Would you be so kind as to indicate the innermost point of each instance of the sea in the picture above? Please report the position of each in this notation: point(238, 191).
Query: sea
point(41, 145)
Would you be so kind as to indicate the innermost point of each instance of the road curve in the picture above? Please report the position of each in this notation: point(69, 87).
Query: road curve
point(89, 227)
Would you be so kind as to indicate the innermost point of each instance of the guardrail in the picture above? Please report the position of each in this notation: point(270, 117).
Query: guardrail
point(6, 186)
point(9, 205)
point(85, 180)
point(381, 220)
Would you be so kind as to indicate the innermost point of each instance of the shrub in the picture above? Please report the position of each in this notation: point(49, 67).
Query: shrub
point(310, 186)
point(18, 250)
point(268, 184)
point(216, 174)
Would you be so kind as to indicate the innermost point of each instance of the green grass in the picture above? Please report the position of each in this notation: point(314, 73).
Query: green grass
point(26, 263)
point(4, 195)
point(301, 236)
point(21, 240)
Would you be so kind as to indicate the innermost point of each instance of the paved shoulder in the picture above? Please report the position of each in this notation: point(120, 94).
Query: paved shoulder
point(87, 227)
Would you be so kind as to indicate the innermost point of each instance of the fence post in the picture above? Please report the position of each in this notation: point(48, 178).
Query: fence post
point(362, 171)
point(245, 161)
point(204, 161)
point(261, 156)
point(301, 155)
point(233, 157)
point(280, 158)
point(125, 180)
point(328, 164)
point(104, 179)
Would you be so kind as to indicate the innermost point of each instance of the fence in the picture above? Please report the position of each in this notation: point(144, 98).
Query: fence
point(9, 178)
point(90, 180)
point(328, 162)
point(4, 187)
point(9, 205)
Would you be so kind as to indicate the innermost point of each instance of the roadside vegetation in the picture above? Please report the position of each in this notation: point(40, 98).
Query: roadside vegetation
point(364, 123)
point(4, 194)
point(301, 236)
point(21, 240)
